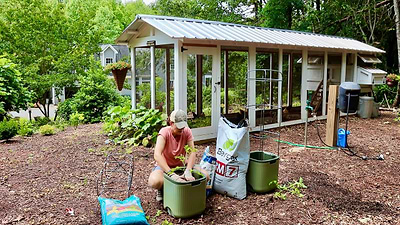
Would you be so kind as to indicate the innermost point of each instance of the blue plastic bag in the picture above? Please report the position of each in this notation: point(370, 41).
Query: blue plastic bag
point(128, 211)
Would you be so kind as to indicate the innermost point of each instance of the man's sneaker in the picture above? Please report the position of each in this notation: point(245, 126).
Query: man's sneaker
point(159, 196)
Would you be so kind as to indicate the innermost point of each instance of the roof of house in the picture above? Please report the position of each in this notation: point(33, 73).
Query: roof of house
point(122, 49)
point(193, 29)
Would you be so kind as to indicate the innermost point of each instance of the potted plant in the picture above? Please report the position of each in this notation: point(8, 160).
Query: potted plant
point(186, 198)
point(391, 80)
point(119, 70)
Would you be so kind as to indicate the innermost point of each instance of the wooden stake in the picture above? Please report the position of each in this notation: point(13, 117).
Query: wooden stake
point(333, 116)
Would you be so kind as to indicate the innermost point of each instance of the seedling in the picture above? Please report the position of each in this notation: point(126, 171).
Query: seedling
point(293, 188)
point(183, 158)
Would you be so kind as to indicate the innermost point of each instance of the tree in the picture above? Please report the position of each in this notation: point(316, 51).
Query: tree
point(13, 95)
point(397, 22)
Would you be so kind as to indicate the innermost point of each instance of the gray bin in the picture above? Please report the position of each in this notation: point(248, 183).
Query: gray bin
point(365, 107)
point(375, 110)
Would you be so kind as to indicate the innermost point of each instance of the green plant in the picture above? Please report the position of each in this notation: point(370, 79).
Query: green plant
point(76, 119)
point(158, 213)
point(95, 95)
point(145, 97)
point(25, 127)
point(13, 95)
point(166, 222)
point(392, 77)
point(120, 65)
point(8, 129)
point(40, 121)
point(133, 127)
point(66, 108)
point(293, 188)
point(381, 90)
point(47, 130)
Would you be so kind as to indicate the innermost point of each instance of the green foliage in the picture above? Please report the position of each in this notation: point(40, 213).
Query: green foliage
point(199, 122)
point(26, 128)
point(120, 65)
point(166, 222)
point(293, 188)
point(76, 119)
point(189, 150)
point(13, 95)
point(47, 130)
point(129, 126)
point(381, 90)
point(281, 13)
point(40, 121)
point(145, 99)
point(96, 94)
point(65, 109)
point(8, 129)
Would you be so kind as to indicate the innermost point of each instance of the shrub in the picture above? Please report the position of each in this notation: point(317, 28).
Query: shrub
point(66, 108)
point(381, 90)
point(25, 127)
point(47, 130)
point(121, 124)
point(95, 95)
point(40, 121)
point(8, 129)
point(76, 119)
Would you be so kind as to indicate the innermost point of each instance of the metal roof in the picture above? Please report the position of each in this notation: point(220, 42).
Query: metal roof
point(182, 28)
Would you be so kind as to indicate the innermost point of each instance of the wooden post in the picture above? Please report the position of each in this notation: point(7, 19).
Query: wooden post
point(333, 116)
point(226, 72)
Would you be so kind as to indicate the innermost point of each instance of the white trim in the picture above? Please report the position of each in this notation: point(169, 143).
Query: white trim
point(179, 80)
point(109, 46)
point(343, 68)
point(280, 69)
point(251, 88)
point(304, 76)
point(324, 94)
point(133, 80)
point(355, 71)
point(153, 76)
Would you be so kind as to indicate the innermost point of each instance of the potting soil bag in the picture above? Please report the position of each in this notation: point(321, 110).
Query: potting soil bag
point(207, 163)
point(233, 153)
point(128, 211)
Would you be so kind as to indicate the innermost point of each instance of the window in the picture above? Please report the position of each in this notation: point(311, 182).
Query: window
point(109, 60)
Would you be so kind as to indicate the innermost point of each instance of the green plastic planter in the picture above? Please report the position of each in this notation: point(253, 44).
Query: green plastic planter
point(187, 199)
point(263, 169)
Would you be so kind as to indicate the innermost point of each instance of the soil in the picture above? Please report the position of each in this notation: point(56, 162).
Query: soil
point(43, 176)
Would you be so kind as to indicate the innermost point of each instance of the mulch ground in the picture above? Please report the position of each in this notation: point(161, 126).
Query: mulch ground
point(42, 176)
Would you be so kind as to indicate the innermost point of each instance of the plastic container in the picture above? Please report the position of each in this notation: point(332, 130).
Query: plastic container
point(375, 110)
point(346, 90)
point(365, 107)
point(342, 138)
point(263, 170)
point(187, 199)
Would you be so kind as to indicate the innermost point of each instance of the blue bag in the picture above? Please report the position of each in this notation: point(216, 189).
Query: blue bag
point(116, 212)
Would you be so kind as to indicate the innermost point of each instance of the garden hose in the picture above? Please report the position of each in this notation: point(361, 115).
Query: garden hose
point(308, 146)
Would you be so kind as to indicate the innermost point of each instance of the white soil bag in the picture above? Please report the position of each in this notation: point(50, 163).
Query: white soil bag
point(233, 153)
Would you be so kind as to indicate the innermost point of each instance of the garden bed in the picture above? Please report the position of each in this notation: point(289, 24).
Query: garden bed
point(42, 176)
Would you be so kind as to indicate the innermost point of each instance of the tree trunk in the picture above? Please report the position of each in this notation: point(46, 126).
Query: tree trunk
point(397, 19)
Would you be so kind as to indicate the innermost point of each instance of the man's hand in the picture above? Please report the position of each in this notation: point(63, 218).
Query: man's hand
point(188, 175)
point(176, 177)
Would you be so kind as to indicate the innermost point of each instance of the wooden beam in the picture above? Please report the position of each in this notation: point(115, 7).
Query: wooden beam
point(343, 68)
point(226, 80)
point(251, 85)
point(168, 78)
point(199, 85)
point(355, 74)
point(304, 76)
point(132, 32)
point(280, 69)
point(199, 45)
point(333, 116)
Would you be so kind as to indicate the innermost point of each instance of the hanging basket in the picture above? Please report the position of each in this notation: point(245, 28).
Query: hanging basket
point(119, 77)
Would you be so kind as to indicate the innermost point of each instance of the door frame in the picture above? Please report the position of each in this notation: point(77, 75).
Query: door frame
point(208, 132)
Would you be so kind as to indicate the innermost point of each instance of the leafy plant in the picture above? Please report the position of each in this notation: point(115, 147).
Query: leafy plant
point(47, 130)
point(65, 109)
point(8, 129)
point(95, 95)
point(13, 95)
point(293, 188)
point(133, 127)
point(145, 98)
point(381, 90)
point(76, 119)
point(25, 127)
point(40, 121)
point(120, 65)
point(166, 222)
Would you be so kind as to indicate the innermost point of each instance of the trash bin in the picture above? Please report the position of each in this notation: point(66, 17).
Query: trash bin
point(365, 107)
point(375, 110)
